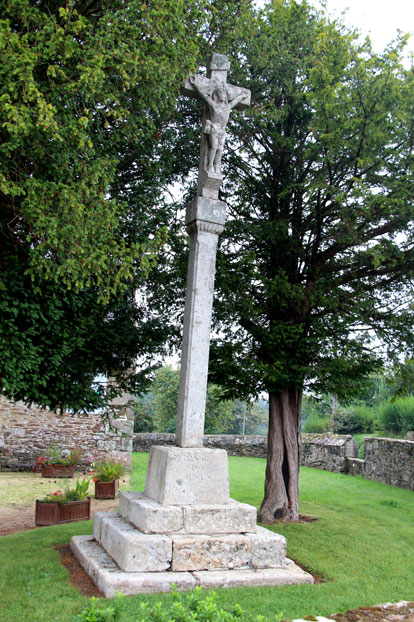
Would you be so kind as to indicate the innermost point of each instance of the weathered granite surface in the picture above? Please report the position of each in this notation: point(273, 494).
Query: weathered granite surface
point(229, 565)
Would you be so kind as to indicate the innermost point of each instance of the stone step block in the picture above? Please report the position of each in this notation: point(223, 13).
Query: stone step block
point(151, 517)
point(110, 579)
point(262, 549)
point(268, 549)
point(203, 552)
point(267, 577)
point(97, 522)
point(132, 550)
point(232, 517)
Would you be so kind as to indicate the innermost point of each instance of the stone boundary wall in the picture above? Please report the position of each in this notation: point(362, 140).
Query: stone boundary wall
point(354, 466)
point(390, 461)
point(26, 433)
point(326, 452)
point(234, 444)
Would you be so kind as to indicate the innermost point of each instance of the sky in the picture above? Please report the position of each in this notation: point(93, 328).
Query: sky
point(378, 18)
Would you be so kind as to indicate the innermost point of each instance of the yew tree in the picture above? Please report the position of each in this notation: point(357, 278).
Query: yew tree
point(315, 266)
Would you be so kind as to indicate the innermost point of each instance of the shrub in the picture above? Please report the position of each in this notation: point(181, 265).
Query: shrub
point(352, 421)
point(398, 416)
point(92, 613)
point(315, 424)
point(189, 607)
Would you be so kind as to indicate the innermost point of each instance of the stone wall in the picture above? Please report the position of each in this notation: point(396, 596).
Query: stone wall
point(328, 451)
point(354, 466)
point(321, 451)
point(386, 460)
point(234, 444)
point(390, 461)
point(26, 433)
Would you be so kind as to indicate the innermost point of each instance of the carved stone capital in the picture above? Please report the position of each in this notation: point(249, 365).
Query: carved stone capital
point(207, 210)
point(206, 227)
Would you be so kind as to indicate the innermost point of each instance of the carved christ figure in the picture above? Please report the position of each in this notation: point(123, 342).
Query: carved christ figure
point(219, 111)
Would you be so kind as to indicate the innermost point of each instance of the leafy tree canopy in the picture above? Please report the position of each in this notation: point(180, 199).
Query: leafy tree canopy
point(86, 91)
point(160, 405)
point(84, 88)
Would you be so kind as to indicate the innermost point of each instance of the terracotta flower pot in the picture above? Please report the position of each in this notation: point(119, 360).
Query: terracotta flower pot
point(54, 513)
point(58, 470)
point(106, 490)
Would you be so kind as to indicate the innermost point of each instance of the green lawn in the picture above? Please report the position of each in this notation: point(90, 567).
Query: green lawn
point(362, 544)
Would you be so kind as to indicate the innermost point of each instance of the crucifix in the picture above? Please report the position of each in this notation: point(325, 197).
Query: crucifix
point(205, 219)
point(219, 98)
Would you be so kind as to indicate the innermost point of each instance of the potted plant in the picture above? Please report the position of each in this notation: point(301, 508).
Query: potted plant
point(57, 464)
point(109, 467)
point(64, 506)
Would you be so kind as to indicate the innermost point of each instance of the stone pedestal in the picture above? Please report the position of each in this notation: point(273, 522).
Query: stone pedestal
point(183, 529)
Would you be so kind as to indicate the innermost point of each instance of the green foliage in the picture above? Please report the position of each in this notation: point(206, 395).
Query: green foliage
point(398, 415)
point(109, 466)
point(353, 420)
point(54, 342)
point(87, 90)
point(319, 196)
point(84, 92)
point(79, 493)
point(164, 399)
point(249, 417)
point(191, 607)
point(401, 378)
point(93, 613)
point(315, 424)
point(143, 414)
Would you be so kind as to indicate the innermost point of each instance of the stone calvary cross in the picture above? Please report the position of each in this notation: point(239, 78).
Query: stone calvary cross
point(184, 529)
point(205, 219)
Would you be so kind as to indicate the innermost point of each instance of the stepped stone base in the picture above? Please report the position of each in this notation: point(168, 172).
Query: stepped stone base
point(110, 579)
point(183, 529)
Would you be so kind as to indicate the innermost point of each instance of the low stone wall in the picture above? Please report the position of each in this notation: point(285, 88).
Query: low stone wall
point(26, 433)
point(326, 452)
point(390, 461)
point(234, 444)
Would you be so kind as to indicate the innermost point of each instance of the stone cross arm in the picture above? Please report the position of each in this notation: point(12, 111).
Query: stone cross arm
point(210, 85)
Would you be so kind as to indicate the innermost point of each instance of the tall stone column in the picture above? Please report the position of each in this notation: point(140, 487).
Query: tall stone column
point(205, 220)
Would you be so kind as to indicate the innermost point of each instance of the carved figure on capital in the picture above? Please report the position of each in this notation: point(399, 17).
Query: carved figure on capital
point(220, 104)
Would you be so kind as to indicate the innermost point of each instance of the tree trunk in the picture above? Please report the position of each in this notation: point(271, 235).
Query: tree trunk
point(281, 498)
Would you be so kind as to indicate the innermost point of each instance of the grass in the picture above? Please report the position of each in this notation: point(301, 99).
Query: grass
point(23, 488)
point(361, 544)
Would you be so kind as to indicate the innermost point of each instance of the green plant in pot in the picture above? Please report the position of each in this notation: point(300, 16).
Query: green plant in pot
point(109, 467)
point(64, 506)
point(57, 463)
